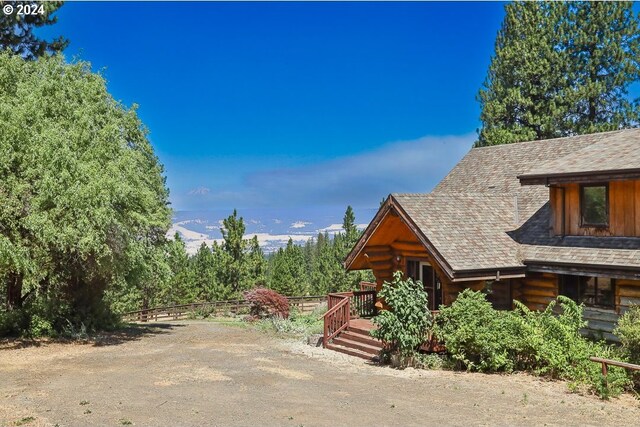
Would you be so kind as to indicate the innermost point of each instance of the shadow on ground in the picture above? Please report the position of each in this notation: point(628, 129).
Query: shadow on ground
point(127, 333)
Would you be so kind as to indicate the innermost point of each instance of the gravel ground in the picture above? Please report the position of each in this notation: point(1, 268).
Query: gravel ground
point(210, 373)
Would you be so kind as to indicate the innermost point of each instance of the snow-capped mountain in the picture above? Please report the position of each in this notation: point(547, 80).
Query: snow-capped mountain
point(273, 227)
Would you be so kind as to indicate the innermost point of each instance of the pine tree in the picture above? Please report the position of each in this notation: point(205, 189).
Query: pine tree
point(522, 96)
point(204, 274)
point(257, 264)
point(350, 228)
point(235, 247)
point(17, 32)
point(604, 49)
point(288, 271)
point(559, 69)
point(179, 287)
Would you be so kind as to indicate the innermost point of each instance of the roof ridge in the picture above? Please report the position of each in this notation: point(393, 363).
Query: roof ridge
point(457, 193)
point(554, 139)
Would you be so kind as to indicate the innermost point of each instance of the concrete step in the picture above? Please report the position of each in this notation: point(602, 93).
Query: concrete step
point(366, 339)
point(366, 348)
point(352, 352)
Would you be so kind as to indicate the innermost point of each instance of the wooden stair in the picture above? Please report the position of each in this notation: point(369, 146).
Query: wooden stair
point(356, 342)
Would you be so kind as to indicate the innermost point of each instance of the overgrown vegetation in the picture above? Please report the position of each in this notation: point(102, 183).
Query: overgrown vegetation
point(628, 330)
point(404, 326)
point(297, 325)
point(84, 215)
point(84, 203)
point(547, 343)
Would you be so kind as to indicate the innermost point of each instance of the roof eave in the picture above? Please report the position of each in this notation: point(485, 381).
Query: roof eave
point(492, 273)
point(368, 232)
point(584, 269)
point(579, 177)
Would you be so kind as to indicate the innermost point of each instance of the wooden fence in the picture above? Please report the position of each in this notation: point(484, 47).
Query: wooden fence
point(304, 305)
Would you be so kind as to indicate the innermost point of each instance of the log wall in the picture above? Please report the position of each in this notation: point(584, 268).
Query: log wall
point(627, 294)
point(624, 210)
point(537, 290)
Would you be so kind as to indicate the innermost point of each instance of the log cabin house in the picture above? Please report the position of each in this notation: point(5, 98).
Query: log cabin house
point(525, 221)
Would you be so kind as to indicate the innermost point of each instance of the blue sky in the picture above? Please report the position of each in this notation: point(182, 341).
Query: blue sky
point(293, 104)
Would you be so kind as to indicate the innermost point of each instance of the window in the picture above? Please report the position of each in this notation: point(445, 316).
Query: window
point(594, 205)
point(413, 269)
point(499, 294)
point(592, 291)
point(599, 292)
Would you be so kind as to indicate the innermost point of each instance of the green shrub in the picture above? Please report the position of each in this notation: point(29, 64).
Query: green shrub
point(404, 327)
point(547, 342)
point(628, 330)
point(476, 336)
point(431, 361)
point(297, 325)
point(40, 327)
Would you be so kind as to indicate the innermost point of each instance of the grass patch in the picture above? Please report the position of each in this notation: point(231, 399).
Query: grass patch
point(296, 326)
point(25, 420)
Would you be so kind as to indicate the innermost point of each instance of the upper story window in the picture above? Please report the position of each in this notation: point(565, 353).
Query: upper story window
point(594, 205)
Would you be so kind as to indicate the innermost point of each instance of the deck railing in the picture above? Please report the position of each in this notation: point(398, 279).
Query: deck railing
point(342, 307)
point(368, 286)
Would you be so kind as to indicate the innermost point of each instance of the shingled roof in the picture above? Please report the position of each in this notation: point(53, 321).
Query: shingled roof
point(476, 240)
point(480, 217)
point(617, 153)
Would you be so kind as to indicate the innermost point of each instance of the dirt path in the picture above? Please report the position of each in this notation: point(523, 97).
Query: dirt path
point(206, 373)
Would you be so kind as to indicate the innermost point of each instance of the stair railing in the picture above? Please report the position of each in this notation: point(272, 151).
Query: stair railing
point(342, 307)
point(336, 319)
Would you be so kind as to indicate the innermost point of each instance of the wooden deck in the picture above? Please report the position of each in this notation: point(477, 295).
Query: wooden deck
point(362, 324)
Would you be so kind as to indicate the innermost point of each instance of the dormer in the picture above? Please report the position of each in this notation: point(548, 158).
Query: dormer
point(594, 191)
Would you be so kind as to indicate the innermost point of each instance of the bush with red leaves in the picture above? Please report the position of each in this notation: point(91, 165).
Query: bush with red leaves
point(267, 303)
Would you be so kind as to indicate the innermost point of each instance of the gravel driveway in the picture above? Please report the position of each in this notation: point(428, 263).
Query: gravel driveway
point(210, 373)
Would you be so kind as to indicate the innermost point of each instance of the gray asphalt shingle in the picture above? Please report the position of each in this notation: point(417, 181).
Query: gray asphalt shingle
point(479, 216)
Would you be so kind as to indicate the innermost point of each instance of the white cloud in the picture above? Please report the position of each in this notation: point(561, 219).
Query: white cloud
point(362, 179)
point(277, 221)
point(299, 224)
point(337, 228)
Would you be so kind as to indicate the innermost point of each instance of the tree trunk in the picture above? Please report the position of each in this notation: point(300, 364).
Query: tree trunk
point(14, 291)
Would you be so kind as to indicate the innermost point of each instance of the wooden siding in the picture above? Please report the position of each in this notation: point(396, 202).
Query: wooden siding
point(536, 290)
point(627, 294)
point(624, 210)
point(452, 289)
point(391, 240)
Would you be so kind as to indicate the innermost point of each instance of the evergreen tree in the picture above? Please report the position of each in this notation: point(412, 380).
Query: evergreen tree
point(17, 32)
point(522, 97)
point(604, 50)
point(257, 264)
point(288, 271)
point(559, 69)
point(180, 287)
point(235, 247)
point(350, 229)
point(205, 281)
point(222, 288)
